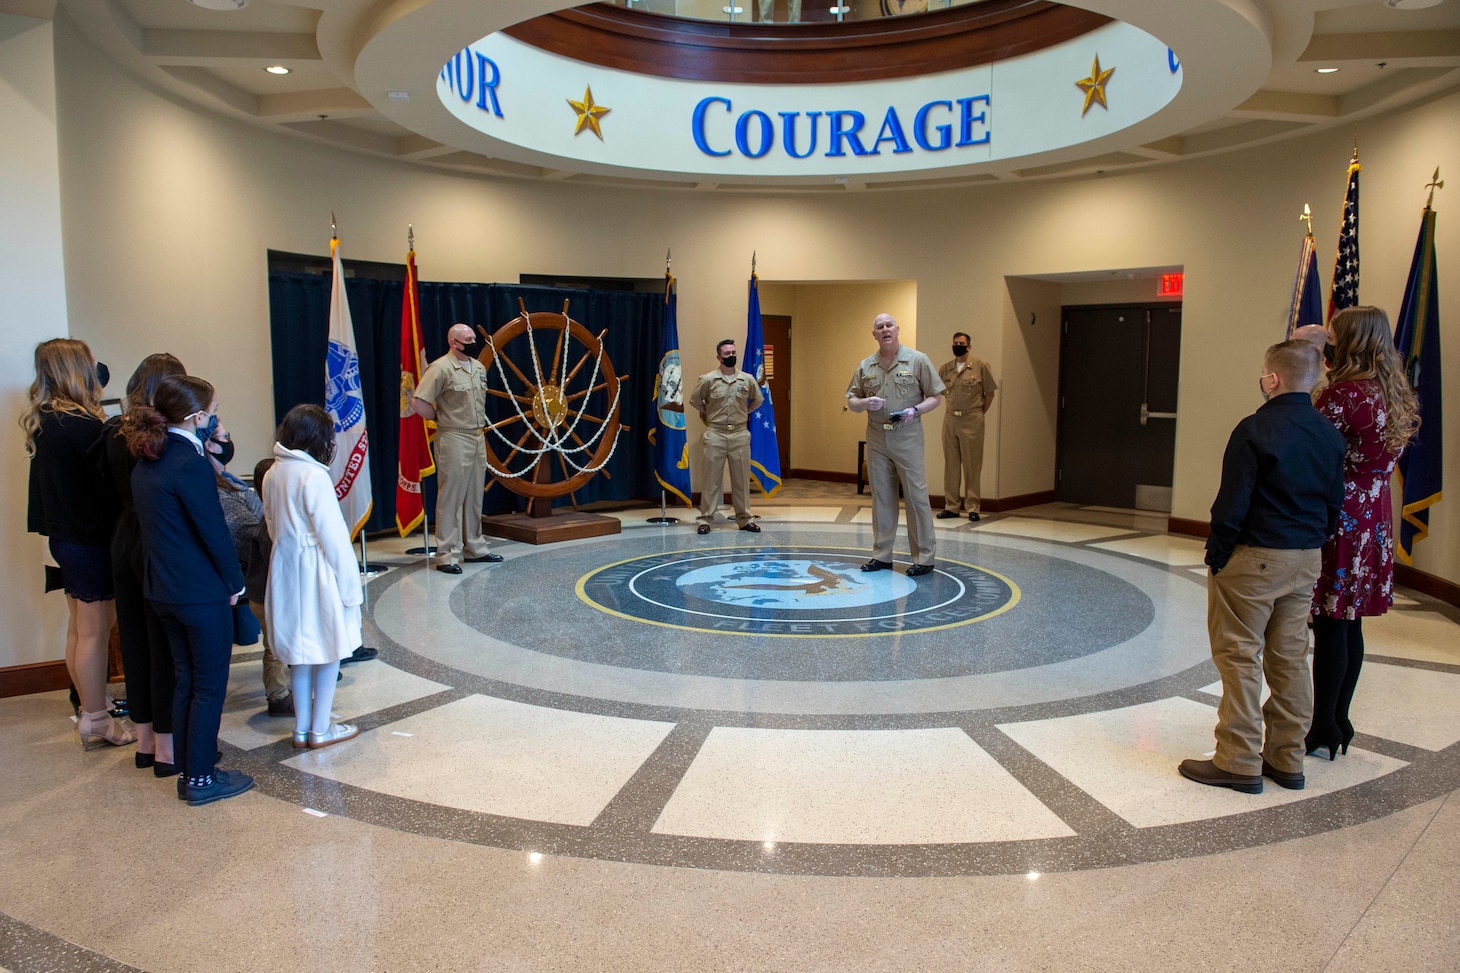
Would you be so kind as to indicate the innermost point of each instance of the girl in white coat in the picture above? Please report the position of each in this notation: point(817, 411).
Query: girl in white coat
point(314, 596)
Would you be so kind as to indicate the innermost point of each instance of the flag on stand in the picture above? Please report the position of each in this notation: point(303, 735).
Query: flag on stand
point(1417, 338)
point(350, 468)
point(415, 463)
point(765, 455)
point(671, 446)
point(1307, 306)
point(1344, 290)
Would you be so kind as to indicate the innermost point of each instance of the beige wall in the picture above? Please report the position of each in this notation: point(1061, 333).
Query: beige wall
point(32, 281)
point(168, 213)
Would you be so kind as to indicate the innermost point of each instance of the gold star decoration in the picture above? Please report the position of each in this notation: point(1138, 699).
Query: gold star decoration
point(1094, 86)
point(588, 113)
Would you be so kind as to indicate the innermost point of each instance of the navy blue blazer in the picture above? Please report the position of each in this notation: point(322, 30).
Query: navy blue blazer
point(187, 551)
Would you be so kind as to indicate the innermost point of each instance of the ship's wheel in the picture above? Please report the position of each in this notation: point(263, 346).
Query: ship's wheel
point(553, 403)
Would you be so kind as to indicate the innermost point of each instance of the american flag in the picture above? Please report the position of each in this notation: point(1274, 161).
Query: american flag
point(1345, 291)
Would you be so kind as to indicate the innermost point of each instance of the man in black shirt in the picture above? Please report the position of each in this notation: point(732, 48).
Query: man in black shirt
point(1281, 492)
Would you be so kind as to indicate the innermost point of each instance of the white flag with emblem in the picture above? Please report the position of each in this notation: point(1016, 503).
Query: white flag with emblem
point(350, 467)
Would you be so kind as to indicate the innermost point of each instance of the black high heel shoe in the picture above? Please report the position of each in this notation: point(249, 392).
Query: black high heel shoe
point(1318, 738)
point(1346, 729)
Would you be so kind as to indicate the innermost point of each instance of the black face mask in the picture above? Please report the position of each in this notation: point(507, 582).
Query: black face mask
point(103, 374)
point(472, 350)
point(959, 351)
point(729, 361)
point(1328, 352)
point(225, 454)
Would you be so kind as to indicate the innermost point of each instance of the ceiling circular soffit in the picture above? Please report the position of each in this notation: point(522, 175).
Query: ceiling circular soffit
point(1109, 87)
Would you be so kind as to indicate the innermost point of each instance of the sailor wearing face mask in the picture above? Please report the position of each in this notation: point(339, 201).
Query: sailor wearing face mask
point(453, 393)
point(725, 398)
point(970, 392)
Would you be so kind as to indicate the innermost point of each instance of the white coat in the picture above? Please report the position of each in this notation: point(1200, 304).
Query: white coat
point(314, 596)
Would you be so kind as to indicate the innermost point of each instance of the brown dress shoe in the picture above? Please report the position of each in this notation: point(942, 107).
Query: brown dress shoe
point(1207, 772)
point(1293, 782)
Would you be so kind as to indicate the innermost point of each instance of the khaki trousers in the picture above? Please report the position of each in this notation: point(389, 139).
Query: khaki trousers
point(723, 447)
point(962, 455)
point(461, 467)
point(276, 674)
point(1257, 615)
point(895, 454)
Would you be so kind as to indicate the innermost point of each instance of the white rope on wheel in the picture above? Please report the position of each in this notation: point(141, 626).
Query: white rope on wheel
point(552, 441)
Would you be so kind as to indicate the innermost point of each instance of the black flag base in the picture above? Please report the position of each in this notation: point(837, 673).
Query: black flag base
point(663, 518)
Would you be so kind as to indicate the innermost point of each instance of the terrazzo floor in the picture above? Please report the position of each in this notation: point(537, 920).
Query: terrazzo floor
point(664, 751)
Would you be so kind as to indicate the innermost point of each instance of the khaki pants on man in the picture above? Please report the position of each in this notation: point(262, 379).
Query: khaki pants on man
point(892, 455)
point(1257, 619)
point(726, 444)
point(276, 674)
point(461, 467)
point(962, 456)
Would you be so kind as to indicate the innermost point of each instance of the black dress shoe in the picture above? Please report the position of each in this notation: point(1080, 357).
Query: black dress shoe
point(947, 514)
point(918, 570)
point(225, 784)
point(753, 527)
point(1293, 782)
point(484, 559)
point(283, 706)
point(1207, 772)
point(144, 760)
point(362, 654)
point(876, 565)
point(973, 516)
point(161, 770)
point(449, 568)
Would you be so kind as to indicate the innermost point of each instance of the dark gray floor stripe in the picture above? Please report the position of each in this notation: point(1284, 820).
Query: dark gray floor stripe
point(1075, 807)
point(25, 949)
point(641, 800)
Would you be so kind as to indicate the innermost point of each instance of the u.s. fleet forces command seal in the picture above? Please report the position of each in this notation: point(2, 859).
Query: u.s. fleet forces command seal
point(799, 592)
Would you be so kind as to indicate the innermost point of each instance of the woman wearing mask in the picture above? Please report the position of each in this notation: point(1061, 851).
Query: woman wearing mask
point(145, 652)
point(1369, 400)
point(314, 596)
point(71, 505)
point(192, 574)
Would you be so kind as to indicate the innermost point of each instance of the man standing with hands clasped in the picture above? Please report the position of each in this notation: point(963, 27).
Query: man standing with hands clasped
point(725, 398)
point(896, 387)
point(970, 392)
point(1281, 493)
point(453, 393)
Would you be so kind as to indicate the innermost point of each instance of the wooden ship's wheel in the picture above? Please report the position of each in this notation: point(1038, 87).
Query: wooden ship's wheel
point(553, 406)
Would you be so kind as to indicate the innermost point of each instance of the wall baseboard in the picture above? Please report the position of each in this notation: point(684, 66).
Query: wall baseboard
point(830, 476)
point(998, 505)
point(37, 677)
point(1191, 528)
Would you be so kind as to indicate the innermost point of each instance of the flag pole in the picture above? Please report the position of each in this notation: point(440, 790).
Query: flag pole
point(664, 517)
point(1435, 183)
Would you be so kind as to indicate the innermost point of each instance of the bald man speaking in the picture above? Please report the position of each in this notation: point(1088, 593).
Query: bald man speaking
point(453, 393)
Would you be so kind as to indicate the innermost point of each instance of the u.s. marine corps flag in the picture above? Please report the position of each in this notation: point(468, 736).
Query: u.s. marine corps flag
point(415, 463)
point(1417, 339)
point(671, 447)
point(350, 467)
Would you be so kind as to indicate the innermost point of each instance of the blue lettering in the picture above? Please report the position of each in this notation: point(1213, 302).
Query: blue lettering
point(968, 119)
point(788, 133)
point(697, 124)
point(742, 130)
point(920, 128)
point(891, 131)
point(840, 131)
point(465, 80)
point(488, 87)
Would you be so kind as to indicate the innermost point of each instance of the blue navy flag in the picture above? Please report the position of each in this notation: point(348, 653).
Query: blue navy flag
point(1307, 306)
point(671, 447)
point(1344, 291)
point(765, 454)
point(1417, 338)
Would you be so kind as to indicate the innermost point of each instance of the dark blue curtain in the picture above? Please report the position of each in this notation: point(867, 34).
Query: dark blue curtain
point(631, 322)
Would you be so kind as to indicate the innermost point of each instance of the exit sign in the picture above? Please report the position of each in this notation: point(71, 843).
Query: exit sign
point(1171, 285)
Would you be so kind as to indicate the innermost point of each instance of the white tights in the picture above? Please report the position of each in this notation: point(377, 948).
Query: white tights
point(314, 693)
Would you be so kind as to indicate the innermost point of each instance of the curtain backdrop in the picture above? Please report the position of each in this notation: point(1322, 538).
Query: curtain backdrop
point(299, 322)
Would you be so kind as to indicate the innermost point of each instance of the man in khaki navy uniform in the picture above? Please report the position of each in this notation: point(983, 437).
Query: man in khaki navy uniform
point(896, 387)
point(970, 392)
point(725, 398)
point(453, 393)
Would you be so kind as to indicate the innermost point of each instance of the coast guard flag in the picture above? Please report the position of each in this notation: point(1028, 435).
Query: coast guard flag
point(1417, 338)
point(350, 468)
point(671, 448)
point(1307, 306)
point(1344, 291)
point(765, 456)
point(415, 463)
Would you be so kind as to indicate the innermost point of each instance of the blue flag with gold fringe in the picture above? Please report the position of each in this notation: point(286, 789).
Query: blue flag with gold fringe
point(1307, 304)
point(1417, 339)
point(671, 447)
point(765, 453)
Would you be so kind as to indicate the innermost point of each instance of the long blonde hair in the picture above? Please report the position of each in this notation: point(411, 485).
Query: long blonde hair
point(1364, 349)
point(65, 381)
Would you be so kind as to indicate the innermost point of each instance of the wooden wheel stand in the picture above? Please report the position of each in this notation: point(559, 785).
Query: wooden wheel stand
point(540, 524)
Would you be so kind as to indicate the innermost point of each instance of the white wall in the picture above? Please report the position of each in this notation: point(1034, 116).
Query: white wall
point(32, 281)
point(169, 212)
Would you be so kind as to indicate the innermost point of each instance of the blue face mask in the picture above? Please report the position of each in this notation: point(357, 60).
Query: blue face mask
point(206, 433)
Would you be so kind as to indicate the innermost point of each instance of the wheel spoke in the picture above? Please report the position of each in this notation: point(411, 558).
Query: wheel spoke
point(505, 422)
point(524, 399)
point(579, 440)
point(584, 415)
point(578, 367)
point(579, 395)
point(558, 353)
point(507, 463)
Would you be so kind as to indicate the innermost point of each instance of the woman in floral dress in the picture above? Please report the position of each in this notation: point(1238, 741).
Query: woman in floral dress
point(1369, 400)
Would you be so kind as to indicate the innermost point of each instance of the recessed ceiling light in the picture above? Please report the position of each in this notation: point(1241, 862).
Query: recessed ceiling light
point(398, 95)
point(1325, 70)
point(224, 5)
point(1412, 4)
point(277, 69)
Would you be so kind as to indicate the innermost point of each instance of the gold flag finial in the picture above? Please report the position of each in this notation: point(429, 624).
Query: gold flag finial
point(666, 259)
point(752, 263)
point(1307, 217)
point(334, 233)
point(1435, 183)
